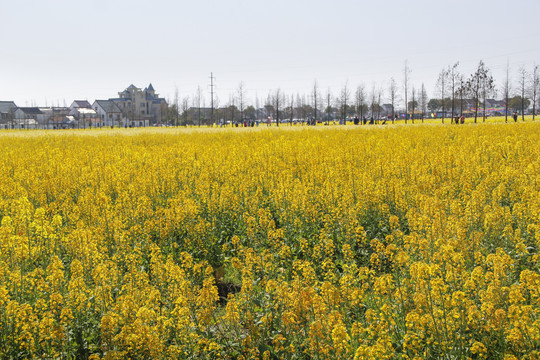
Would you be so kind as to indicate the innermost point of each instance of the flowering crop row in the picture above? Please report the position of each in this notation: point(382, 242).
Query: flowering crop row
point(377, 243)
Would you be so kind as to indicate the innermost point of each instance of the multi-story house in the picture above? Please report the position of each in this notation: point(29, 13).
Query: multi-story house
point(141, 107)
point(108, 113)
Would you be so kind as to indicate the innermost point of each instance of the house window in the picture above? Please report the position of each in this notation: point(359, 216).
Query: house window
point(142, 112)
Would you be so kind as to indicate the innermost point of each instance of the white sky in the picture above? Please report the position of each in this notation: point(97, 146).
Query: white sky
point(53, 51)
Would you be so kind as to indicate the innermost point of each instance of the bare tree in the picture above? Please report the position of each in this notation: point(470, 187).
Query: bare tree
point(535, 85)
point(185, 107)
point(302, 105)
point(176, 106)
point(393, 93)
point(488, 88)
point(299, 107)
point(278, 100)
point(232, 109)
point(413, 104)
point(475, 85)
point(372, 106)
point(462, 91)
point(506, 89)
point(268, 107)
point(241, 95)
point(441, 85)
point(198, 102)
point(343, 99)
point(257, 105)
point(375, 107)
point(423, 101)
point(291, 109)
point(361, 101)
point(315, 95)
point(379, 96)
point(523, 88)
point(328, 106)
point(406, 73)
point(454, 83)
point(204, 112)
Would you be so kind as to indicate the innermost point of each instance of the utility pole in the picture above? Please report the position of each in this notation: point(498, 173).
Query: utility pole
point(212, 98)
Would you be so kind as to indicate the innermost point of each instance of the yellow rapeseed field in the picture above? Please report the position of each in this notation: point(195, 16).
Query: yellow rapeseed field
point(383, 242)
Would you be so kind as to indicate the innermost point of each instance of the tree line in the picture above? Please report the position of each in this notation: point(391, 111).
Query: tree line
point(456, 94)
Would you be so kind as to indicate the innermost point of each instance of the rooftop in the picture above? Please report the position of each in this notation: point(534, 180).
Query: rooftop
point(82, 104)
point(31, 110)
point(7, 106)
point(108, 106)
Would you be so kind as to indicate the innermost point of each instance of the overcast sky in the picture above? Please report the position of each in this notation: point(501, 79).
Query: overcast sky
point(55, 51)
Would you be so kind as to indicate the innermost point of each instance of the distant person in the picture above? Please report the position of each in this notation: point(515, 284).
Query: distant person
point(462, 120)
point(356, 120)
point(515, 117)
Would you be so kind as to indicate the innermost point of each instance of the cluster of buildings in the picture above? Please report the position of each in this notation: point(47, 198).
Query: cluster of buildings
point(134, 107)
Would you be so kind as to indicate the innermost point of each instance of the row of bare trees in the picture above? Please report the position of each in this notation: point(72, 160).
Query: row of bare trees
point(480, 86)
point(455, 94)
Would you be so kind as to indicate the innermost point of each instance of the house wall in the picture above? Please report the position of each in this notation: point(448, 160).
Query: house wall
point(19, 114)
point(100, 112)
point(107, 119)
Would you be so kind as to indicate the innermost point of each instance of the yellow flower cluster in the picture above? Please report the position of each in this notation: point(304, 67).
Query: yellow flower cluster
point(345, 243)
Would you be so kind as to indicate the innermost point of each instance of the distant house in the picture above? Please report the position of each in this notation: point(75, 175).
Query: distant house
point(27, 117)
point(491, 103)
point(80, 104)
point(141, 107)
point(201, 115)
point(108, 112)
point(469, 104)
point(387, 109)
point(495, 107)
point(51, 116)
point(66, 122)
point(85, 117)
point(7, 114)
